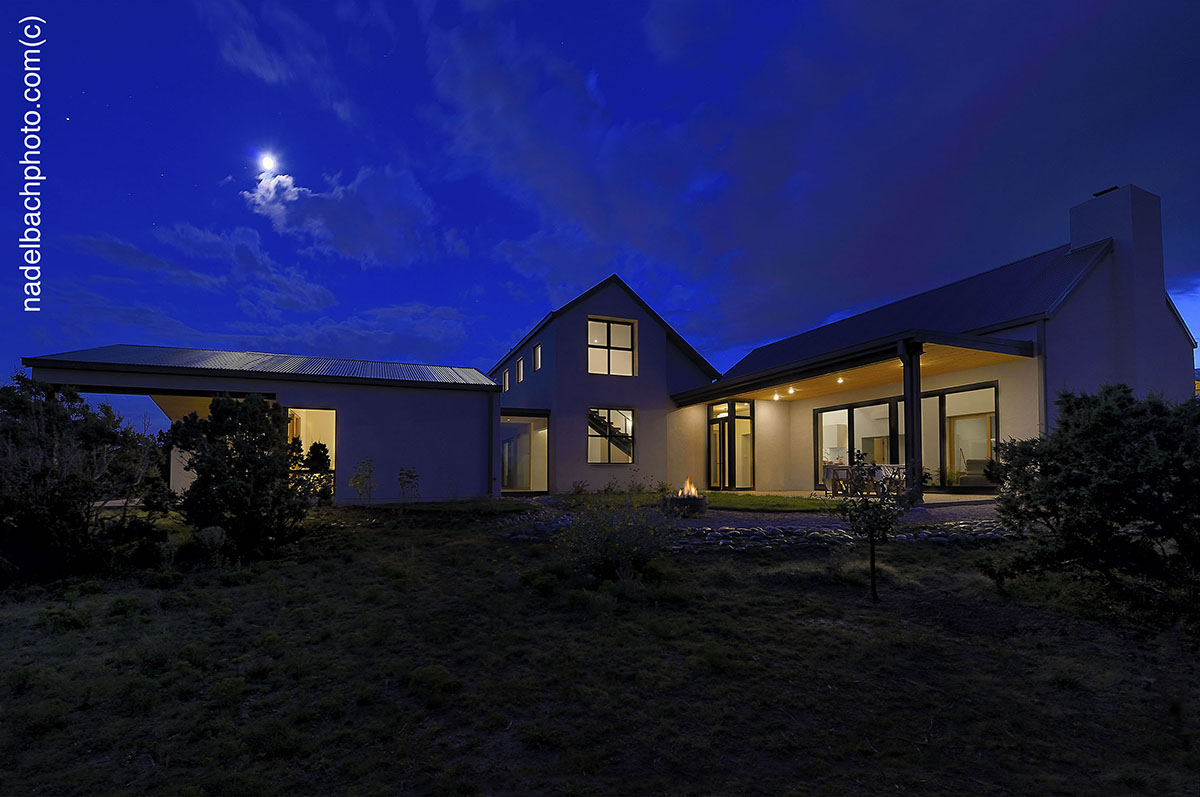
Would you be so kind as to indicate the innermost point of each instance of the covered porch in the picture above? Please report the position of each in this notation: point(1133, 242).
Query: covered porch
point(927, 405)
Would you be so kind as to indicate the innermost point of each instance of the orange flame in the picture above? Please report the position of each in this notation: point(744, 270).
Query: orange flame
point(689, 489)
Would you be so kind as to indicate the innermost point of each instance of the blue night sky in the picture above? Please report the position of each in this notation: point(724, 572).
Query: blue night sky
point(448, 172)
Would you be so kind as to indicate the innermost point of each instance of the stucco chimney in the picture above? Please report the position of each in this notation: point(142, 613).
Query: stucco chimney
point(1133, 219)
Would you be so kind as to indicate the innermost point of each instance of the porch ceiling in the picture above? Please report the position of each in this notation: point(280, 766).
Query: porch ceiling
point(936, 360)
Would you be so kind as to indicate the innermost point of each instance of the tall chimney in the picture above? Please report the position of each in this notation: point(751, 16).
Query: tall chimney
point(1133, 219)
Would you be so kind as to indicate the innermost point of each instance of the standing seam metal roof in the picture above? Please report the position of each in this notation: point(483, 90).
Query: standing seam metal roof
point(253, 362)
point(1024, 289)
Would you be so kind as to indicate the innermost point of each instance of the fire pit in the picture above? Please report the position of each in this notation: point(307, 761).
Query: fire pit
point(685, 503)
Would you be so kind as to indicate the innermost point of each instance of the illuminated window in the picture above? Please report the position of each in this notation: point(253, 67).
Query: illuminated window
point(537, 357)
point(520, 369)
point(610, 436)
point(610, 347)
point(504, 382)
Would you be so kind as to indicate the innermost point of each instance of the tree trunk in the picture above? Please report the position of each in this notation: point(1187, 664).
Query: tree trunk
point(874, 592)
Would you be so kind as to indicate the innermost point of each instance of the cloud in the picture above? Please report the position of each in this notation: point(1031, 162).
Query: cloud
point(91, 317)
point(685, 30)
point(265, 288)
point(412, 332)
point(278, 48)
point(117, 251)
point(382, 217)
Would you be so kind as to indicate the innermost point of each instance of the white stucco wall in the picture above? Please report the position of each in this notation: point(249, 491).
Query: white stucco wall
point(565, 387)
point(772, 441)
point(687, 443)
point(1116, 326)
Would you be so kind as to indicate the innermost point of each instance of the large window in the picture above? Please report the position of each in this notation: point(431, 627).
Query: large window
point(610, 436)
point(958, 434)
point(610, 347)
point(970, 436)
point(314, 426)
point(731, 446)
point(523, 453)
point(833, 446)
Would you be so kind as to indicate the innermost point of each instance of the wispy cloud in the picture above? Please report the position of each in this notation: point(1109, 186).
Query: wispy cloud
point(123, 253)
point(413, 332)
point(265, 288)
point(278, 48)
point(382, 217)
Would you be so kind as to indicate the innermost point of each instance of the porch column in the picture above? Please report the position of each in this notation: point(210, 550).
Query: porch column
point(910, 358)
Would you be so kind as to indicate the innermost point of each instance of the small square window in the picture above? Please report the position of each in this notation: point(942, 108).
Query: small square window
point(610, 347)
point(610, 436)
point(620, 363)
point(537, 357)
point(520, 369)
point(597, 333)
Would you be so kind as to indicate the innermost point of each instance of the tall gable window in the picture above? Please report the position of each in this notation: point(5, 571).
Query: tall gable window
point(610, 436)
point(520, 369)
point(504, 382)
point(537, 357)
point(610, 347)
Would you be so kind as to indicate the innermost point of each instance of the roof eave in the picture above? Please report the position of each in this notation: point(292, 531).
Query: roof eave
point(221, 373)
point(866, 353)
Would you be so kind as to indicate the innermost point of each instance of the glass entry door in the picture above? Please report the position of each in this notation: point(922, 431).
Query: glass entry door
point(731, 446)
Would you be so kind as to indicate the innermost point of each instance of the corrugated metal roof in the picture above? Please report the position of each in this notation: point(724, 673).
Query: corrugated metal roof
point(265, 363)
point(1027, 288)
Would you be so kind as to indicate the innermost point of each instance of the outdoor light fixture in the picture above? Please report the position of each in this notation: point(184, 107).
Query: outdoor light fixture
point(791, 389)
point(776, 397)
point(840, 380)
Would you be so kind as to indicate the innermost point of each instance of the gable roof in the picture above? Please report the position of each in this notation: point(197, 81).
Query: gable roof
point(218, 362)
point(1017, 293)
point(613, 279)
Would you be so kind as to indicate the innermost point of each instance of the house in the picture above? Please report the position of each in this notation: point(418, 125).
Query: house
point(586, 394)
point(927, 383)
point(603, 391)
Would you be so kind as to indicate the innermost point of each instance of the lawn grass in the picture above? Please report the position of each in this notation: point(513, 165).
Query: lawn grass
point(382, 658)
point(742, 502)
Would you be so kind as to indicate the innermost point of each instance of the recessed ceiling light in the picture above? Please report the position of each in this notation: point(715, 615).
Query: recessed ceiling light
point(840, 380)
point(791, 390)
point(776, 397)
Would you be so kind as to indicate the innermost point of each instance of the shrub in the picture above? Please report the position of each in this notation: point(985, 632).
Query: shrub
point(246, 478)
point(320, 472)
point(869, 510)
point(610, 541)
point(410, 483)
point(79, 489)
point(363, 480)
point(579, 488)
point(1112, 494)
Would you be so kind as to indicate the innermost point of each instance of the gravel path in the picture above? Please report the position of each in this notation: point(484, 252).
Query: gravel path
point(737, 531)
point(925, 515)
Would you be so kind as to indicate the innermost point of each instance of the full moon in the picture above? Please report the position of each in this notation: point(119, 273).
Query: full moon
point(267, 162)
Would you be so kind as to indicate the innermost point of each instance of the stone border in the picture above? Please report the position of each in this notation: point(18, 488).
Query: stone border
point(741, 538)
point(769, 537)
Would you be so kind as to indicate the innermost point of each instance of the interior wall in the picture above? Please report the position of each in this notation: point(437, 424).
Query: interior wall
point(318, 426)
